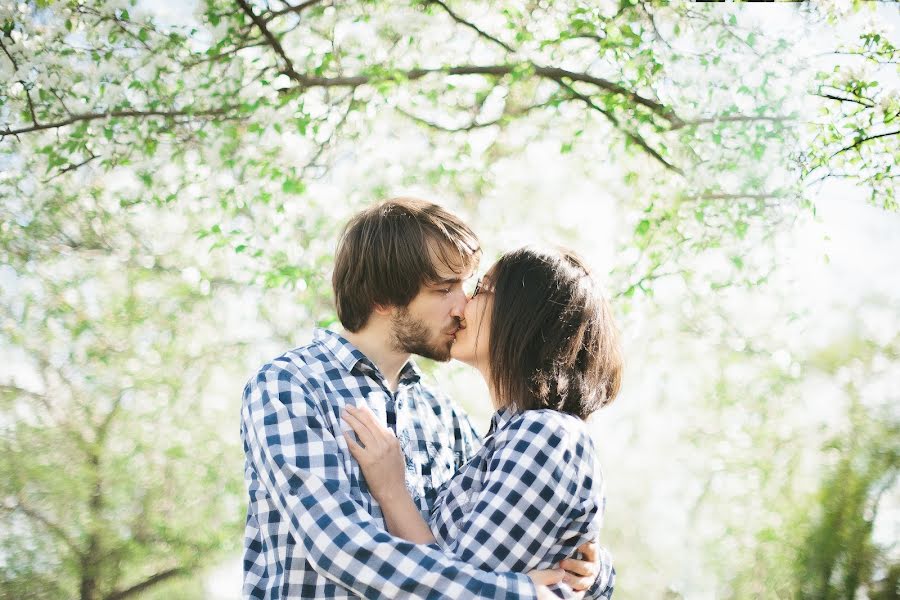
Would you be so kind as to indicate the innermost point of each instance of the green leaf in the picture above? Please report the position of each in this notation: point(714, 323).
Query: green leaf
point(293, 186)
point(642, 228)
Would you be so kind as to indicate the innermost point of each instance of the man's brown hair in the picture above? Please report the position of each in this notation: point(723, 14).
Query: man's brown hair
point(387, 252)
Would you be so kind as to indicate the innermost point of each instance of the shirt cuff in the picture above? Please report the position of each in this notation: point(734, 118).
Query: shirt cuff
point(518, 587)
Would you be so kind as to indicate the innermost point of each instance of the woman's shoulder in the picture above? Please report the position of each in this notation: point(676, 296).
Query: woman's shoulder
point(561, 431)
point(557, 444)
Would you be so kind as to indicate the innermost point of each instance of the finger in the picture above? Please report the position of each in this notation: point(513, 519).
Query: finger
point(356, 451)
point(546, 576)
point(578, 584)
point(381, 435)
point(589, 550)
point(579, 568)
point(362, 432)
point(365, 414)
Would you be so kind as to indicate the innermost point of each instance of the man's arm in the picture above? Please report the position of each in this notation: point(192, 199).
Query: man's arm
point(297, 459)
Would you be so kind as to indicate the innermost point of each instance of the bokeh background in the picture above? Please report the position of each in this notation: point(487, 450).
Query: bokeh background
point(173, 176)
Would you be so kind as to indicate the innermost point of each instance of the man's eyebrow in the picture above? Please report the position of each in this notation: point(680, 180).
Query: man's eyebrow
point(447, 281)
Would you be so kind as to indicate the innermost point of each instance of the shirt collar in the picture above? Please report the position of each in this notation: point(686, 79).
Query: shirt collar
point(352, 358)
point(501, 418)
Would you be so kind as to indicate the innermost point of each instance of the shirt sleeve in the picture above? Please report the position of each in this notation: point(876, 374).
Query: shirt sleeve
point(602, 588)
point(297, 460)
point(531, 499)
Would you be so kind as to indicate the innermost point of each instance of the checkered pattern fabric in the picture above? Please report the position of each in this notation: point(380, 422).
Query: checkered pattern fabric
point(528, 498)
point(313, 529)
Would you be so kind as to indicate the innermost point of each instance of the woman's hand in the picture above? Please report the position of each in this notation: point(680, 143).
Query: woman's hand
point(581, 572)
point(543, 578)
point(380, 457)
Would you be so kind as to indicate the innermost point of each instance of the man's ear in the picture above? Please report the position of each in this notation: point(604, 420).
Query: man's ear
point(385, 310)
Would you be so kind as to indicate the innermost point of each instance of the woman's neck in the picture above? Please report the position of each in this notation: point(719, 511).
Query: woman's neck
point(486, 374)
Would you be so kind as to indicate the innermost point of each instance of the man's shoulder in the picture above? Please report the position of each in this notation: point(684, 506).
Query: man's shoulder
point(308, 364)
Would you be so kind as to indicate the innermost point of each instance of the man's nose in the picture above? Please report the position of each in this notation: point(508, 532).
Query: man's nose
point(459, 306)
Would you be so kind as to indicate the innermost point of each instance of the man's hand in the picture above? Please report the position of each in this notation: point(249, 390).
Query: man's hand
point(581, 572)
point(544, 577)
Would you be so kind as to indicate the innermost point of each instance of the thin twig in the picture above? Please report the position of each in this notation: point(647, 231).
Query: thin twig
point(472, 26)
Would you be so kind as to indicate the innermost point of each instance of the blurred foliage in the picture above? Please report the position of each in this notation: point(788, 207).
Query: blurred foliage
point(156, 183)
point(115, 471)
point(837, 556)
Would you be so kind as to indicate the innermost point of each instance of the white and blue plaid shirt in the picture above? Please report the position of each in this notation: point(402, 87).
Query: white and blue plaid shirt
point(528, 498)
point(313, 529)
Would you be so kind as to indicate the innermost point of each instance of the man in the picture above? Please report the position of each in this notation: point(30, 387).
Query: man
point(313, 528)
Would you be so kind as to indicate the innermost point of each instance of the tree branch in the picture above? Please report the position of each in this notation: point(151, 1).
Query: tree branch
point(226, 53)
point(8, 55)
point(733, 119)
point(862, 141)
point(149, 582)
point(867, 103)
point(288, 68)
point(290, 9)
point(633, 136)
point(116, 114)
point(553, 73)
point(639, 284)
point(52, 527)
point(471, 126)
point(34, 118)
point(72, 167)
point(726, 196)
point(17, 391)
point(472, 26)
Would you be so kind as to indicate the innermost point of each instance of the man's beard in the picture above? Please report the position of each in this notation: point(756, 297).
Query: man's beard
point(411, 335)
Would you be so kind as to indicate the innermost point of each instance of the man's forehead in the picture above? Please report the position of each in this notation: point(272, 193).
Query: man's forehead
point(448, 265)
point(446, 275)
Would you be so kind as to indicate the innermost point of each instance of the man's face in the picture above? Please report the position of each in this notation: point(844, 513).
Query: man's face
point(427, 326)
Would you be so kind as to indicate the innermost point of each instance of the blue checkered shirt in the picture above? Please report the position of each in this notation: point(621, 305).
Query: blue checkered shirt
point(528, 498)
point(313, 528)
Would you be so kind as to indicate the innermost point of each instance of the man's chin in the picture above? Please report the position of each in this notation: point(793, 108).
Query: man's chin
point(441, 354)
point(436, 352)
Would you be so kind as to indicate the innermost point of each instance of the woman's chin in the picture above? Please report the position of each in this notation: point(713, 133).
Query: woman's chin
point(460, 354)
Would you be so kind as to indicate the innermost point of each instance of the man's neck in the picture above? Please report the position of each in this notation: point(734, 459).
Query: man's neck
point(376, 345)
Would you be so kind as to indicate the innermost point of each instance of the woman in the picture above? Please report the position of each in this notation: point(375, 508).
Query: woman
point(543, 337)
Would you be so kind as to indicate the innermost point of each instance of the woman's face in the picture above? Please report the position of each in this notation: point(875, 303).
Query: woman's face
point(471, 345)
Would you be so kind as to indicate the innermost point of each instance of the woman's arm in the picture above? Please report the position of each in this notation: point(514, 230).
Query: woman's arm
point(382, 464)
